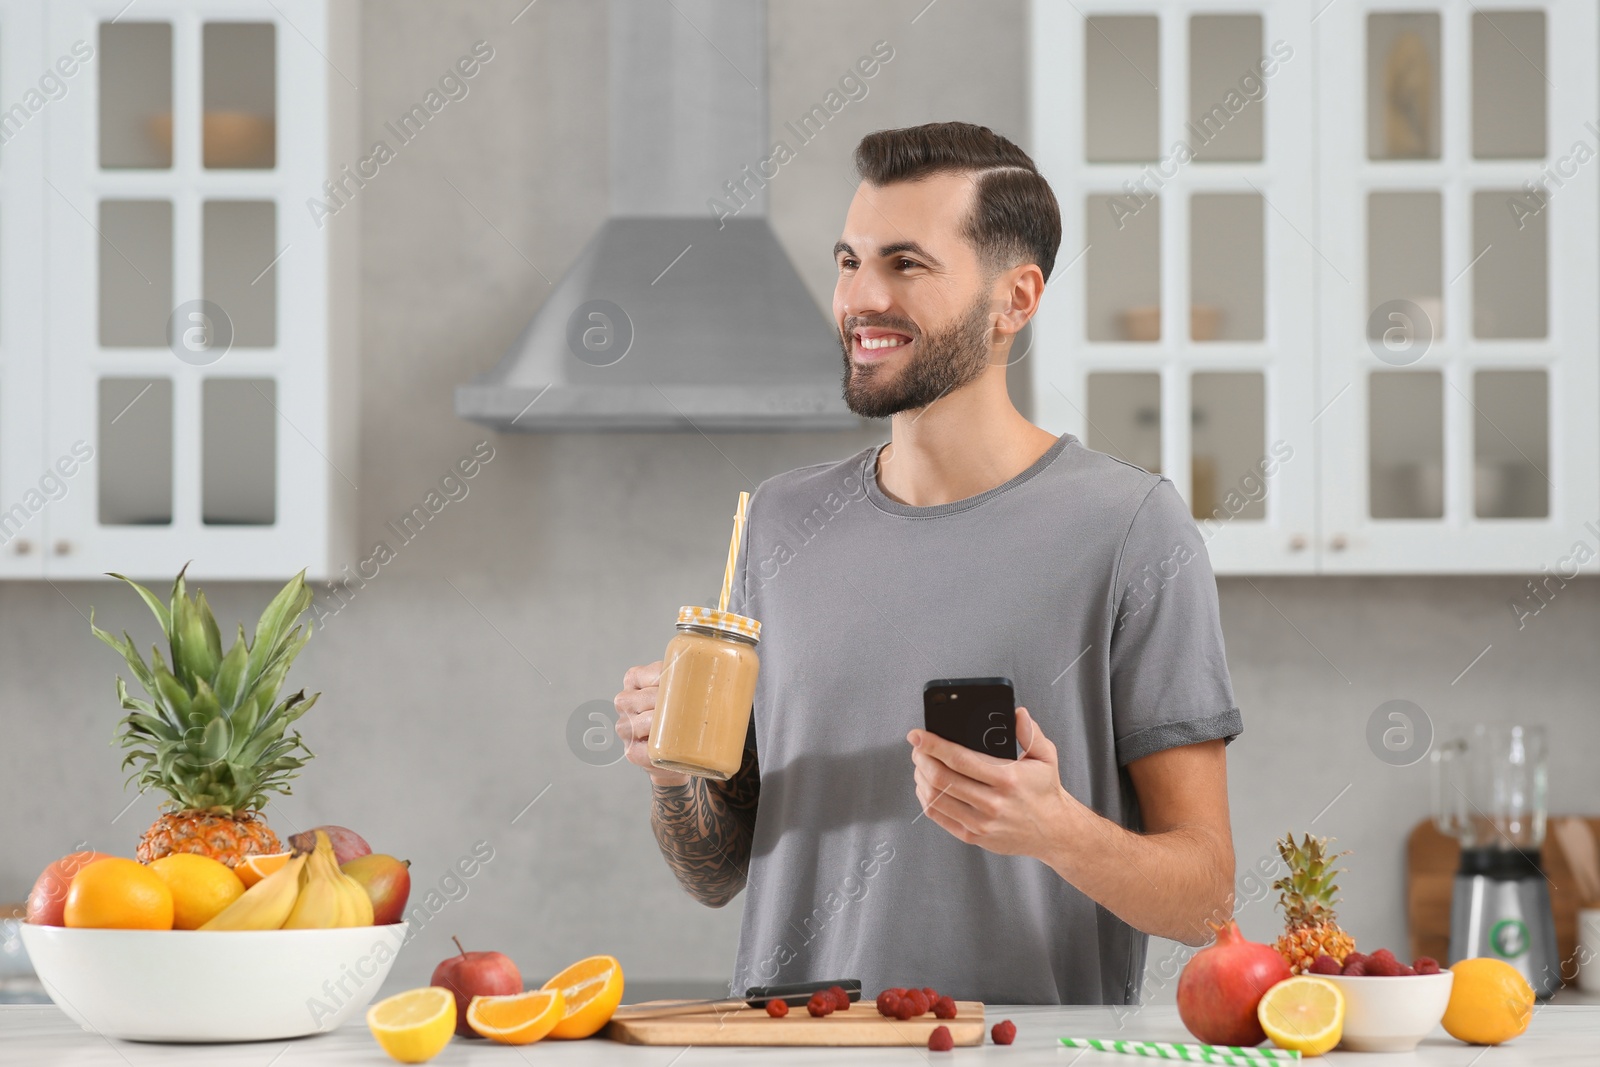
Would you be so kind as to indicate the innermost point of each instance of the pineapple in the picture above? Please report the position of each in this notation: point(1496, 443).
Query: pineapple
point(213, 736)
point(1306, 896)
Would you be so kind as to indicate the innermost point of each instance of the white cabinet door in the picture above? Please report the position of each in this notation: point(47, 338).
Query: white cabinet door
point(1457, 151)
point(1175, 331)
point(191, 316)
point(29, 88)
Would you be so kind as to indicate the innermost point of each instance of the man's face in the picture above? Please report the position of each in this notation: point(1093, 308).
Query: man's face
point(912, 303)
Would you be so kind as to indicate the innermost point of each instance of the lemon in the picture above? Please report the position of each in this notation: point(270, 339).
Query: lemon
point(414, 1026)
point(1303, 1014)
point(201, 887)
point(1490, 1002)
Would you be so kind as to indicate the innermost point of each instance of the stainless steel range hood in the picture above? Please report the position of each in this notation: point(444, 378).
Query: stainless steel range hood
point(673, 317)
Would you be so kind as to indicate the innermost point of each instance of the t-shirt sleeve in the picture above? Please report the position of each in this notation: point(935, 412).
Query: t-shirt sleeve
point(1169, 672)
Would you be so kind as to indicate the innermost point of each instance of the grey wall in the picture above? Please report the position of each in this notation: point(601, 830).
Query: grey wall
point(449, 680)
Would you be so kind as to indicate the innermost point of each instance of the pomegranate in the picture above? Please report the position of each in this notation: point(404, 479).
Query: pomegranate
point(1221, 986)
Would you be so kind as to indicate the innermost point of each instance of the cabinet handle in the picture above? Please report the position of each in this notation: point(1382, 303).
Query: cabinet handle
point(22, 546)
point(1297, 543)
point(63, 548)
point(1338, 542)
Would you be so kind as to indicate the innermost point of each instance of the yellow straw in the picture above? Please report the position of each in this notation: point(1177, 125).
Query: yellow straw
point(733, 552)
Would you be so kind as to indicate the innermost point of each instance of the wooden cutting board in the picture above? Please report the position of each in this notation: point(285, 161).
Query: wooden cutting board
point(861, 1025)
point(1431, 861)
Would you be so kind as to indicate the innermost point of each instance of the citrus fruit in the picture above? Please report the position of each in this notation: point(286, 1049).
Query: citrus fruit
point(413, 1026)
point(518, 1019)
point(201, 887)
point(1303, 1014)
point(592, 989)
point(118, 893)
point(259, 866)
point(1490, 1002)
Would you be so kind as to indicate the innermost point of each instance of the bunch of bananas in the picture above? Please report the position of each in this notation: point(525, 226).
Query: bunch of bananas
point(307, 893)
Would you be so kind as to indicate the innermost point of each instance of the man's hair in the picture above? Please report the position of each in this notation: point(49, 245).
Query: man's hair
point(1014, 218)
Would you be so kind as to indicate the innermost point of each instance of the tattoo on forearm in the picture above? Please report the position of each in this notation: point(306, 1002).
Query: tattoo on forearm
point(705, 829)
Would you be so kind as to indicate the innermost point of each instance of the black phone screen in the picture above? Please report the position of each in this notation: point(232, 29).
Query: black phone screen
point(980, 713)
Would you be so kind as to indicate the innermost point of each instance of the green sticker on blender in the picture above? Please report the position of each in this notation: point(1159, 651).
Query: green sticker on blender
point(1509, 938)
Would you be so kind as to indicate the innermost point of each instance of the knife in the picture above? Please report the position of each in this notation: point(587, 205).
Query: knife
point(795, 995)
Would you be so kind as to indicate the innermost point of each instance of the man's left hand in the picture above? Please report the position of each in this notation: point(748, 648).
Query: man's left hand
point(1012, 807)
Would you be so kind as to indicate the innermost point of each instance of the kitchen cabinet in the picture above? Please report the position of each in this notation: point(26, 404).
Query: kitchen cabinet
point(25, 485)
point(198, 286)
point(1309, 271)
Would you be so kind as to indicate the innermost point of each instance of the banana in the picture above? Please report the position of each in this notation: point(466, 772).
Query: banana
point(264, 905)
point(360, 904)
point(321, 900)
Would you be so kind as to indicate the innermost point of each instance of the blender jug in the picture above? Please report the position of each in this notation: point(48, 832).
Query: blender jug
point(1489, 793)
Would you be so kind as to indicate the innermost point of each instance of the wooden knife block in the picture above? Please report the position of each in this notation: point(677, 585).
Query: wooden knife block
point(1431, 862)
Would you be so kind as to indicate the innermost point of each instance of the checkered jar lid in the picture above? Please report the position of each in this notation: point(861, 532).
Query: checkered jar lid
point(726, 621)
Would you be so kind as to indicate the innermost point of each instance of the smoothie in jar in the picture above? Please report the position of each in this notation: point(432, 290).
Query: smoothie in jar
point(707, 687)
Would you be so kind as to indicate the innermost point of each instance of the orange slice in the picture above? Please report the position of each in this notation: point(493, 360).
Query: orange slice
point(258, 867)
point(518, 1019)
point(591, 989)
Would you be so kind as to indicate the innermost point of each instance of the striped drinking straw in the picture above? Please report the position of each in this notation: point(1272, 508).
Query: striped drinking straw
point(1227, 1055)
point(733, 551)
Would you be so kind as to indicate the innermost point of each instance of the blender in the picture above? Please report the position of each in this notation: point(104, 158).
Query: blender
point(1489, 793)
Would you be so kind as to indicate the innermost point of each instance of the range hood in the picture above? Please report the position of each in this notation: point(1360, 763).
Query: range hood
point(677, 314)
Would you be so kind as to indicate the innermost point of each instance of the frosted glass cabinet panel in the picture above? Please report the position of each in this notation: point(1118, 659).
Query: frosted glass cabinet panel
point(1331, 268)
point(202, 334)
point(1457, 356)
point(1175, 332)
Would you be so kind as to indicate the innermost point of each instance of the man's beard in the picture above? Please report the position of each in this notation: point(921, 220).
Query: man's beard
point(947, 360)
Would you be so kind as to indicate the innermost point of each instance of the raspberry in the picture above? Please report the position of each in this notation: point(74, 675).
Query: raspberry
point(1384, 953)
point(1003, 1032)
point(1356, 957)
point(1325, 965)
point(932, 993)
point(819, 1005)
point(1426, 965)
point(902, 1008)
point(1380, 966)
point(1408, 970)
point(918, 1002)
point(886, 1001)
point(777, 1008)
point(940, 1040)
point(898, 991)
point(841, 999)
point(1355, 968)
point(944, 1008)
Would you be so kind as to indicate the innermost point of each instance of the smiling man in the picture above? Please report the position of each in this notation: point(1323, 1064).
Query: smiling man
point(971, 544)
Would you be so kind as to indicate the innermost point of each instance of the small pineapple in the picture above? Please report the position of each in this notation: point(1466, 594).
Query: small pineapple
point(213, 735)
point(1306, 896)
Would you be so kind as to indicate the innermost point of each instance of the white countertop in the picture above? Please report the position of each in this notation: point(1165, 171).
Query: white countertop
point(41, 1036)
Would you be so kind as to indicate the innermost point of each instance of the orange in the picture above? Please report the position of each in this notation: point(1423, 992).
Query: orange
point(119, 893)
point(258, 867)
point(518, 1019)
point(592, 989)
point(201, 887)
point(1490, 1002)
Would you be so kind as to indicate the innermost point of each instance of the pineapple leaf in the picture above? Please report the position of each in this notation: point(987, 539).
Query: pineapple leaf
point(142, 727)
point(291, 600)
point(170, 690)
point(158, 609)
point(124, 646)
point(229, 681)
point(194, 658)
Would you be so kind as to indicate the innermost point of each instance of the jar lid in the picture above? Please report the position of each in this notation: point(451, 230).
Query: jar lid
point(726, 621)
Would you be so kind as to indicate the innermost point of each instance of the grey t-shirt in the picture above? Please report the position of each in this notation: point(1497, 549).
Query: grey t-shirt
point(1084, 580)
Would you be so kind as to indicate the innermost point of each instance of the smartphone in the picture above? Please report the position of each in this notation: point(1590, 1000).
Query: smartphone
point(980, 713)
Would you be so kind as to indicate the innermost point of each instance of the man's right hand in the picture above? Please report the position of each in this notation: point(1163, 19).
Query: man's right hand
point(636, 710)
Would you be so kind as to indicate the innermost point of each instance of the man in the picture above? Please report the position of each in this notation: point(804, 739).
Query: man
point(972, 544)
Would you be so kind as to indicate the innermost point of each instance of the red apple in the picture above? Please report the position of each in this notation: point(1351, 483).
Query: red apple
point(49, 896)
point(476, 974)
point(347, 844)
point(386, 880)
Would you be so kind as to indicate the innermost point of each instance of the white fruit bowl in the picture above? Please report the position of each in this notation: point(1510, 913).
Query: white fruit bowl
point(203, 985)
point(1391, 1014)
